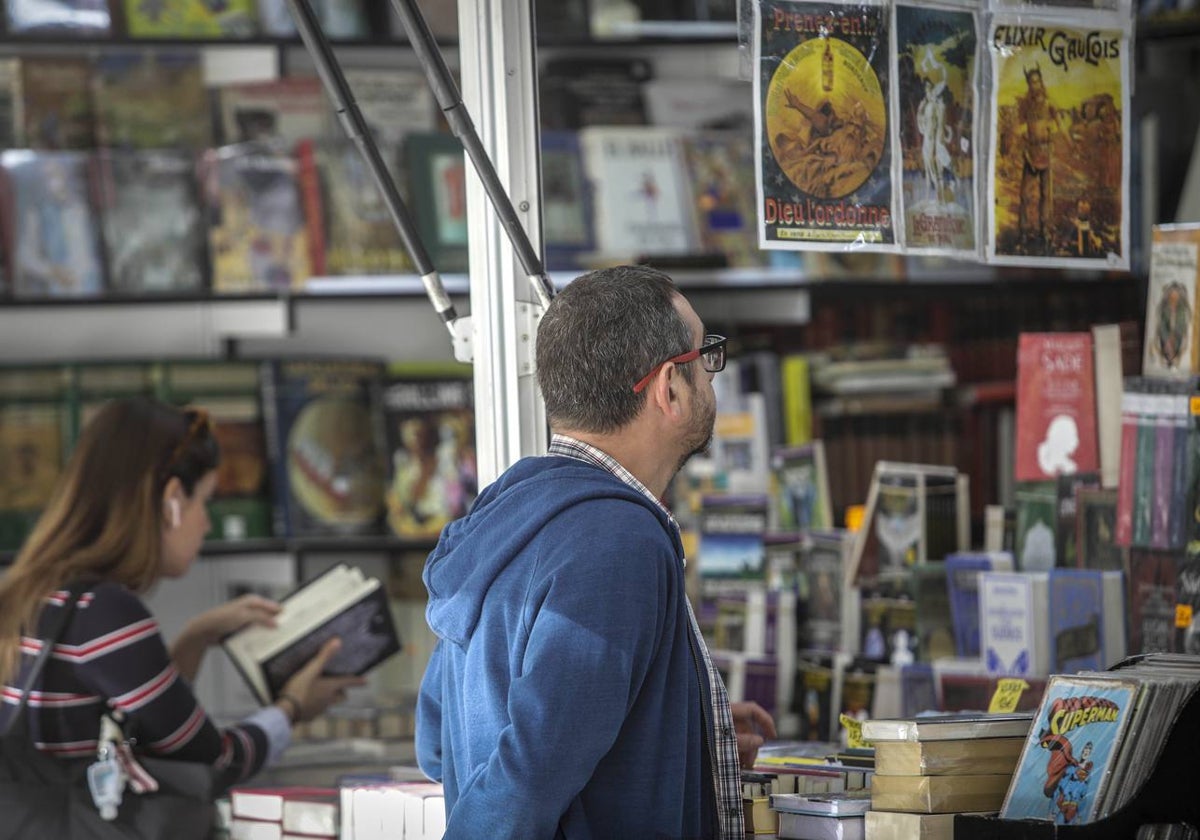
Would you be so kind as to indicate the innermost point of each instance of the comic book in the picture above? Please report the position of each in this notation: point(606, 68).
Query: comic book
point(257, 234)
point(1058, 182)
point(1171, 349)
point(345, 211)
point(154, 232)
point(936, 116)
point(1071, 750)
point(71, 18)
point(191, 19)
point(57, 99)
point(822, 126)
point(429, 434)
point(320, 417)
point(51, 225)
point(151, 100)
point(339, 19)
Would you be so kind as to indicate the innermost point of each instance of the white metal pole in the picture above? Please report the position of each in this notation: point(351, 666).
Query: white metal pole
point(497, 58)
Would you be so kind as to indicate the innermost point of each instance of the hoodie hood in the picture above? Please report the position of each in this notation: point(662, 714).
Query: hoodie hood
point(505, 518)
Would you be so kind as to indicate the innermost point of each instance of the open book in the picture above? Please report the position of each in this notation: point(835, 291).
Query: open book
point(342, 602)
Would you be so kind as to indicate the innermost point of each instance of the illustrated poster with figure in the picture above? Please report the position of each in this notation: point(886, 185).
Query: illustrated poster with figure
point(822, 127)
point(1059, 152)
point(1070, 751)
point(936, 73)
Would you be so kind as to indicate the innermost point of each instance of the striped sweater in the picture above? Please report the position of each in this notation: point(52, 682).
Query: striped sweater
point(113, 654)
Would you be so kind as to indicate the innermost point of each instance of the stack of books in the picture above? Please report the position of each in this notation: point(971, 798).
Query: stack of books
point(836, 816)
point(283, 813)
point(929, 768)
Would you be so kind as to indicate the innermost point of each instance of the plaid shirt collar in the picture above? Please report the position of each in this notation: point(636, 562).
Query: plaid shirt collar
point(727, 772)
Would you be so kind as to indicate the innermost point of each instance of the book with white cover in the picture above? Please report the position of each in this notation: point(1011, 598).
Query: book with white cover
point(945, 727)
point(342, 602)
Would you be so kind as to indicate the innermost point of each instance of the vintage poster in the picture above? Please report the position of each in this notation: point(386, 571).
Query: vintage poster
point(1059, 153)
point(822, 127)
point(936, 52)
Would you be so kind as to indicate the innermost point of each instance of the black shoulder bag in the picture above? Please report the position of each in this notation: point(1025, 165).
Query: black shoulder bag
point(45, 797)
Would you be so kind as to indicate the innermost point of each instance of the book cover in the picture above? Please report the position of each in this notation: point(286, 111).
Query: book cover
point(1056, 406)
point(58, 108)
point(395, 102)
point(1096, 524)
point(1037, 525)
point(341, 603)
point(429, 433)
point(59, 18)
point(338, 19)
point(1170, 340)
point(151, 100)
point(346, 212)
point(154, 232)
point(1013, 615)
point(1067, 488)
point(1152, 598)
point(438, 186)
point(257, 235)
point(814, 697)
point(823, 571)
point(936, 117)
point(34, 441)
point(641, 192)
point(323, 443)
point(962, 583)
point(1077, 621)
point(1058, 180)
point(732, 530)
point(1187, 603)
point(285, 111)
point(241, 506)
point(191, 19)
point(931, 596)
point(581, 91)
point(801, 482)
point(721, 168)
point(1071, 749)
point(51, 225)
point(567, 219)
point(822, 126)
point(12, 105)
point(1145, 480)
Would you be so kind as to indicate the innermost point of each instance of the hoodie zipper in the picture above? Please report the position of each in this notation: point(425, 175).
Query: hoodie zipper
point(705, 748)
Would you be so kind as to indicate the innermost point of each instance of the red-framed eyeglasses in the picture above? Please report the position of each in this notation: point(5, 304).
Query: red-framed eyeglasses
point(711, 354)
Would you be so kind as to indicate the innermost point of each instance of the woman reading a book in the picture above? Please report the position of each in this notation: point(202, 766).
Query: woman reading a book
point(128, 511)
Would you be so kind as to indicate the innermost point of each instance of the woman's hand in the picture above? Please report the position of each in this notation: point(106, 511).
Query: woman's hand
point(208, 628)
point(753, 726)
point(310, 693)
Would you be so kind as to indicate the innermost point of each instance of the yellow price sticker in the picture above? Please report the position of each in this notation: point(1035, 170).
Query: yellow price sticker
point(853, 727)
point(1183, 616)
point(1008, 695)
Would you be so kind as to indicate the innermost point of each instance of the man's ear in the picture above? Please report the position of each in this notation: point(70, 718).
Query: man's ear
point(666, 391)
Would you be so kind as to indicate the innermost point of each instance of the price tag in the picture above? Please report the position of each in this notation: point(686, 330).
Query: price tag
point(853, 727)
point(1183, 616)
point(1008, 694)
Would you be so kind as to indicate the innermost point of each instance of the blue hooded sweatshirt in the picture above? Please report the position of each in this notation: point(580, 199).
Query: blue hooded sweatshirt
point(564, 697)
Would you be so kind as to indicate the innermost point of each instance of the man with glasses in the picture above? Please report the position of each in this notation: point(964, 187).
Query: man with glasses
point(570, 693)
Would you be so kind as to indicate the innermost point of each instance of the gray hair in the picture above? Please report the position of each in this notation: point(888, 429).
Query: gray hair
point(600, 335)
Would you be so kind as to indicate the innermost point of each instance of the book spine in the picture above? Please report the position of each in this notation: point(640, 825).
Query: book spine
point(1164, 451)
point(1143, 486)
point(276, 456)
point(1123, 534)
point(1181, 463)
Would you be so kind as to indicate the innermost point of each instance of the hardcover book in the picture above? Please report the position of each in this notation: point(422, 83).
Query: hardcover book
point(1171, 306)
point(948, 727)
point(154, 231)
point(1013, 623)
point(323, 441)
point(1068, 487)
point(1071, 749)
point(1152, 598)
point(151, 100)
point(51, 225)
point(257, 234)
point(191, 19)
point(939, 794)
point(969, 756)
point(731, 537)
point(429, 432)
point(962, 583)
point(343, 603)
point(1077, 621)
point(721, 168)
point(1037, 526)
point(567, 218)
point(1096, 525)
point(1056, 406)
point(826, 621)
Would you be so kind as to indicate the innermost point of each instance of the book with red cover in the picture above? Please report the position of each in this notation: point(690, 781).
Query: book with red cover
point(1056, 406)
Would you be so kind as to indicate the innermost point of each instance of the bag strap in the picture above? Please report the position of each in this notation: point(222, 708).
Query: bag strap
point(53, 634)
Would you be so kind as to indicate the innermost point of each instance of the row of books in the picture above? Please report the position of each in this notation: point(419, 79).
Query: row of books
point(309, 447)
point(236, 19)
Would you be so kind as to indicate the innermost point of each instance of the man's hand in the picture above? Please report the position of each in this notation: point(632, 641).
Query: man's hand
point(753, 726)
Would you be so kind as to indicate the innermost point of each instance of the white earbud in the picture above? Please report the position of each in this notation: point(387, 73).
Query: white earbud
point(173, 504)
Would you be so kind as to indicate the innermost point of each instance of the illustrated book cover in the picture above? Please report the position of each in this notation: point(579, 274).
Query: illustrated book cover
point(1071, 749)
point(344, 603)
point(822, 86)
point(1171, 349)
point(1056, 406)
point(154, 231)
point(151, 100)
